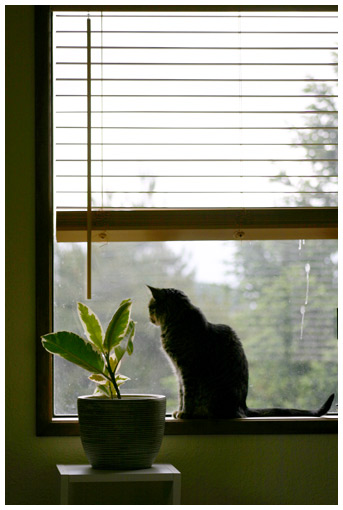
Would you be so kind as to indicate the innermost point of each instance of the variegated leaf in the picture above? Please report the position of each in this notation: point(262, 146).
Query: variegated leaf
point(91, 325)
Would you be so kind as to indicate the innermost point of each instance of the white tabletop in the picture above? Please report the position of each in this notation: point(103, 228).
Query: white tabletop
point(85, 472)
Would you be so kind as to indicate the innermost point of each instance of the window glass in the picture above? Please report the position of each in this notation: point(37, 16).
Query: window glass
point(201, 110)
point(279, 296)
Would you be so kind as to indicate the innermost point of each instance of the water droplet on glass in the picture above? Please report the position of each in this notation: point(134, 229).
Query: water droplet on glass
point(303, 307)
point(302, 311)
point(307, 269)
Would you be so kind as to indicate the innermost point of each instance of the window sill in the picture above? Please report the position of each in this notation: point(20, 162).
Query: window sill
point(324, 425)
point(300, 425)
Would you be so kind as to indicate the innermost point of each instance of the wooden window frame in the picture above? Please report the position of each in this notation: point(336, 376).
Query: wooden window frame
point(284, 223)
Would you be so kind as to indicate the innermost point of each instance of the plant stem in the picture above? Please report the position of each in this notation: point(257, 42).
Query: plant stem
point(113, 379)
point(111, 392)
point(116, 387)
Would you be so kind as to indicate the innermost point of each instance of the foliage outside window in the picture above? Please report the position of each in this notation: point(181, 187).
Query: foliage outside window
point(280, 296)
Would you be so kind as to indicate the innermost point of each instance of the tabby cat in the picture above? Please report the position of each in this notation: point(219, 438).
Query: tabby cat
point(209, 360)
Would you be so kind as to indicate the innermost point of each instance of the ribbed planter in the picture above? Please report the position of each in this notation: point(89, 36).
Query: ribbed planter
point(122, 433)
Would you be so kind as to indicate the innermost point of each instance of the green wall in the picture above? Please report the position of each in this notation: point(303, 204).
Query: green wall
point(293, 469)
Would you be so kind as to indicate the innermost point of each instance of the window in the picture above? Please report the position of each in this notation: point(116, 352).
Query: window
point(203, 146)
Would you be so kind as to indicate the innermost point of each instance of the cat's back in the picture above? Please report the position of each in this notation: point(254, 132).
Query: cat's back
point(223, 339)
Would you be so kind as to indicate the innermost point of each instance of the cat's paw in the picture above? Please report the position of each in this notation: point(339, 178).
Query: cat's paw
point(181, 415)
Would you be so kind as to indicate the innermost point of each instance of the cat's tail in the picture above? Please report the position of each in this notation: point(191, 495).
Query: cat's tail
point(279, 411)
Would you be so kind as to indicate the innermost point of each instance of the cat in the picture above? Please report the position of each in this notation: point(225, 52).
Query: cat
point(209, 360)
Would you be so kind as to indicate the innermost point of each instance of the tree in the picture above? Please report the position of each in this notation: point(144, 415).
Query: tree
point(287, 367)
point(292, 357)
point(316, 143)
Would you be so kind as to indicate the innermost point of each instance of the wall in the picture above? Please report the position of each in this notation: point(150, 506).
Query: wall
point(215, 469)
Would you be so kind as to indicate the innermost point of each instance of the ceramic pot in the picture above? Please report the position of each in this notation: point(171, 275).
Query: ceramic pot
point(122, 433)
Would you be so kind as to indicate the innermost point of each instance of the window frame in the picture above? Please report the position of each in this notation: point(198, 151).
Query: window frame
point(312, 223)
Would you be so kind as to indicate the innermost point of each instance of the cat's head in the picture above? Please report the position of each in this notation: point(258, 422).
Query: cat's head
point(166, 303)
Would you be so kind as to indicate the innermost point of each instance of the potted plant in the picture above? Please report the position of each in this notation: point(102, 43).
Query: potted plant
point(117, 431)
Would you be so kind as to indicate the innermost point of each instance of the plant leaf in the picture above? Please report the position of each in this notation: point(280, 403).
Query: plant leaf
point(118, 326)
point(102, 389)
point(98, 378)
point(130, 334)
point(91, 325)
point(120, 351)
point(115, 364)
point(120, 379)
point(75, 349)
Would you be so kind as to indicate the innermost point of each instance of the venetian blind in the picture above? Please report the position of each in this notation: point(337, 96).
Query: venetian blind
point(193, 110)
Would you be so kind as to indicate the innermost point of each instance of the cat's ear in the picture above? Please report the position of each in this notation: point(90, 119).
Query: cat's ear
point(155, 292)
